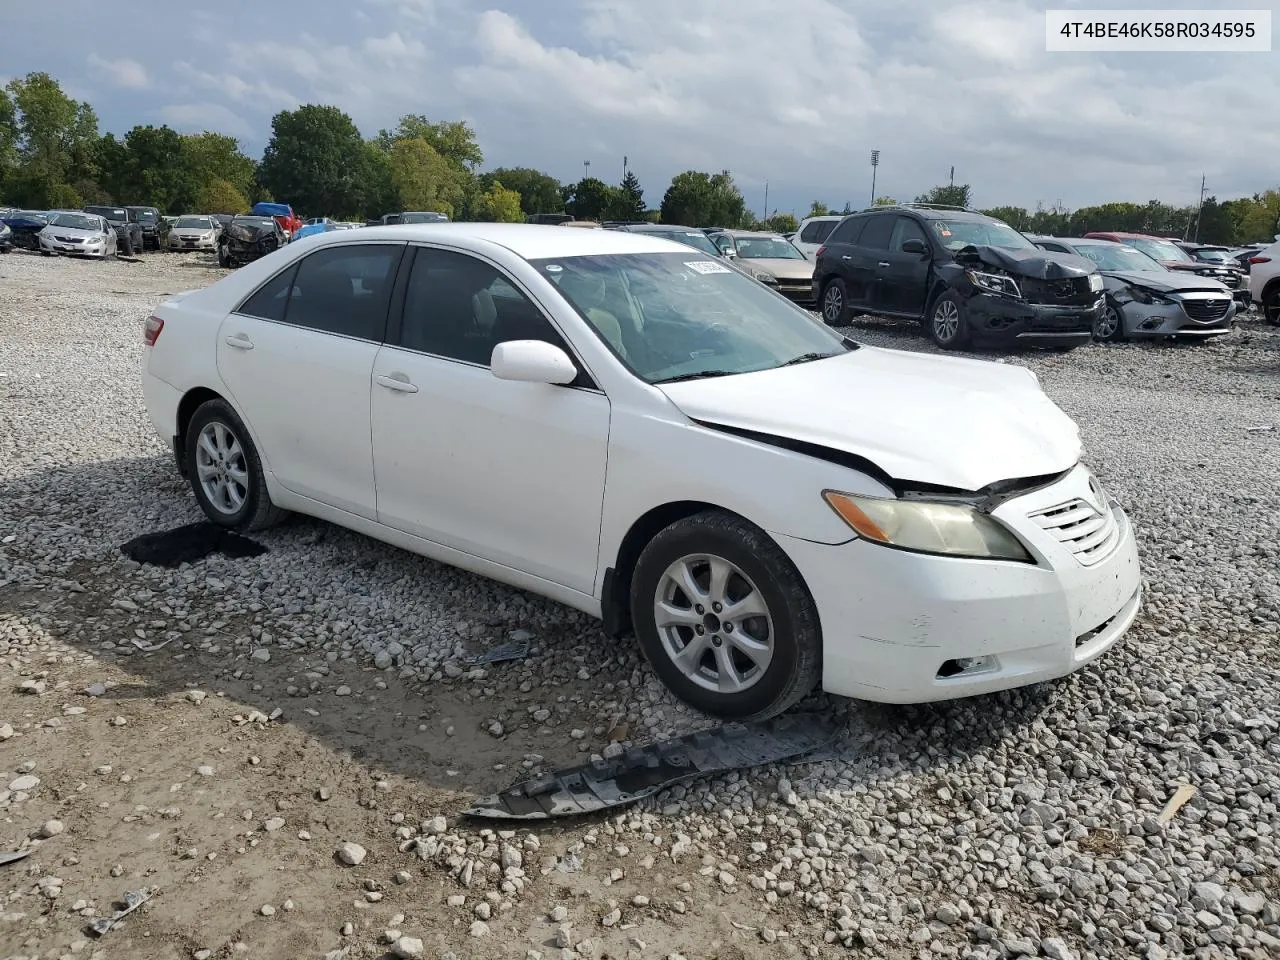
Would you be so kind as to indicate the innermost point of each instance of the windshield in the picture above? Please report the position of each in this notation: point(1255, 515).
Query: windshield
point(690, 238)
point(111, 213)
point(1159, 249)
point(422, 218)
point(27, 215)
point(766, 248)
point(1214, 256)
point(76, 221)
point(1113, 256)
point(669, 315)
point(193, 223)
point(958, 234)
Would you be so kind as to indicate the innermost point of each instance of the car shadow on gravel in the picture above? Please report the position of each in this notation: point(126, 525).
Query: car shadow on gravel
point(283, 631)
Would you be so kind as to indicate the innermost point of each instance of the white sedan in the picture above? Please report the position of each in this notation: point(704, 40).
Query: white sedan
point(78, 235)
point(622, 424)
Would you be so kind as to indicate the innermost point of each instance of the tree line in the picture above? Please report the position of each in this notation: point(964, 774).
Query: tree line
point(52, 154)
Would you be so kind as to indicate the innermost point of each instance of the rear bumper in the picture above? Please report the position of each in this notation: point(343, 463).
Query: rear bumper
point(1001, 321)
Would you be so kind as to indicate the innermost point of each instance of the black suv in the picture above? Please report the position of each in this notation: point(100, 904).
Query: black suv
point(125, 223)
point(155, 232)
point(968, 277)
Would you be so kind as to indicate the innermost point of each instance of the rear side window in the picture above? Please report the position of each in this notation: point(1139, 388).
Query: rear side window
point(817, 231)
point(849, 230)
point(876, 235)
point(272, 297)
point(345, 290)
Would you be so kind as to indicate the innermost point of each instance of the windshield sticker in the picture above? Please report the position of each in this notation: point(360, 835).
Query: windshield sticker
point(945, 232)
point(706, 266)
point(554, 268)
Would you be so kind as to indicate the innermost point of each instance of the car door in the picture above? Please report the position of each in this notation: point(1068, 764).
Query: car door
point(840, 259)
point(508, 471)
point(903, 276)
point(868, 261)
point(297, 357)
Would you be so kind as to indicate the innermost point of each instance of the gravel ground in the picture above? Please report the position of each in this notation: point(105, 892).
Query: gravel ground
point(288, 768)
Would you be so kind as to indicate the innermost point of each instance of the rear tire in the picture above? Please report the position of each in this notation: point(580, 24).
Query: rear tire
point(834, 304)
point(224, 258)
point(751, 667)
point(225, 471)
point(1271, 308)
point(947, 324)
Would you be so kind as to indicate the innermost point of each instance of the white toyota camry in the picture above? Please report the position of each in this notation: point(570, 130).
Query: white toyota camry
point(614, 421)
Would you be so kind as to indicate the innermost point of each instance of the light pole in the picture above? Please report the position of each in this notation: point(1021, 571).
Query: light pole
point(766, 201)
point(875, 162)
point(586, 169)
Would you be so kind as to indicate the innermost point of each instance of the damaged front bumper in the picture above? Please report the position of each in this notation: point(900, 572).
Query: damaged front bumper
point(902, 627)
point(996, 320)
point(1186, 315)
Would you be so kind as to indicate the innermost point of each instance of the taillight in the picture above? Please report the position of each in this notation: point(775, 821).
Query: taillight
point(821, 250)
point(151, 332)
point(1259, 259)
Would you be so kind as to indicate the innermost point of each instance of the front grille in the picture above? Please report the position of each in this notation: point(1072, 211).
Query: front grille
point(1072, 290)
point(1089, 533)
point(1207, 311)
point(68, 239)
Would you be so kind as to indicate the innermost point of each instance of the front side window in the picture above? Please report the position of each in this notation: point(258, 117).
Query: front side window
point(459, 307)
point(345, 289)
point(905, 229)
point(679, 315)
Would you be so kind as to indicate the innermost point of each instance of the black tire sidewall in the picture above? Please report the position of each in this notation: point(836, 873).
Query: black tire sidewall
point(842, 320)
point(1118, 333)
point(783, 590)
point(220, 410)
point(962, 330)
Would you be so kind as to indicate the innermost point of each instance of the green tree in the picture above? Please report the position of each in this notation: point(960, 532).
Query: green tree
point(381, 195)
point(315, 161)
point(221, 196)
point(8, 133)
point(156, 171)
point(452, 139)
point(880, 202)
point(1261, 220)
point(1016, 217)
point(590, 199)
point(628, 201)
point(498, 205)
point(703, 199)
point(818, 209)
point(215, 156)
point(781, 223)
point(52, 135)
point(424, 179)
point(953, 195)
point(539, 192)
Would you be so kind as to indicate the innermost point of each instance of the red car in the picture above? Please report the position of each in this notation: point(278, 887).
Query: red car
point(1172, 256)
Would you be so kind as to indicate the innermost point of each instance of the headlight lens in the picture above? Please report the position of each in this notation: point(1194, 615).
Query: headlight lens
point(1095, 282)
point(994, 283)
point(1147, 296)
point(764, 277)
point(948, 529)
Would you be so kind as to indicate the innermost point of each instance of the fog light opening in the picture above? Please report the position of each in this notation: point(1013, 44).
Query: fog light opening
point(1152, 322)
point(967, 667)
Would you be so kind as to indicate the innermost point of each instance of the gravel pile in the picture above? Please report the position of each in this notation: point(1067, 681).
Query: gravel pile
point(1023, 824)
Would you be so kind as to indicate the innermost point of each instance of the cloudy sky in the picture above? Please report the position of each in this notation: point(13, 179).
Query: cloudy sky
point(795, 93)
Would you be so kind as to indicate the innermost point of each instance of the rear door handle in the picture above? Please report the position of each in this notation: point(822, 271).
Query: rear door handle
point(397, 381)
point(845, 256)
point(240, 342)
point(883, 263)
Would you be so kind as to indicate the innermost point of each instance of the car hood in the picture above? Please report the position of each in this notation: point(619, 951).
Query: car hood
point(943, 421)
point(191, 231)
point(254, 230)
point(72, 232)
point(1034, 263)
point(1183, 267)
point(781, 268)
point(1166, 282)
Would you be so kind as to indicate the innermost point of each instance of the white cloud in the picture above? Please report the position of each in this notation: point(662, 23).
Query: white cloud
point(126, 73)
point(199, 117)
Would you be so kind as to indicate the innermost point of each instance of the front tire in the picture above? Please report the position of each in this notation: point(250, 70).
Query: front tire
point(725, 619)
point(947, 324)
point(225, 471)
point(224, 258)
point(1109, 327)
point(1271, 308)
point(835, 304)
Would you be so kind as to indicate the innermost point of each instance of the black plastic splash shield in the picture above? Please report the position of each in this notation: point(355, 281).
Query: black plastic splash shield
point(643, 771)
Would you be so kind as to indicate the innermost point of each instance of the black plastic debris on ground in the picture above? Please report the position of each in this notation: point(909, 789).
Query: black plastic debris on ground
point(195, 541)
point(643, 771)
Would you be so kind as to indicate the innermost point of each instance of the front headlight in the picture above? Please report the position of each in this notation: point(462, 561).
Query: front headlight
point(947, 529)
point(764, 277)
point(1095, 282)
point(1147, 296)
point(994, 283)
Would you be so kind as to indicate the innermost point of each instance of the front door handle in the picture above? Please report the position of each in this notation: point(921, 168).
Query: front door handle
point(397, 381)
point(240, 342)
point(845, 256)
point(883, 263)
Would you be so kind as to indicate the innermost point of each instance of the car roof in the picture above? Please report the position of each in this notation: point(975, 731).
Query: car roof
point(531, 241)
point(825, 216)
point(754, 233)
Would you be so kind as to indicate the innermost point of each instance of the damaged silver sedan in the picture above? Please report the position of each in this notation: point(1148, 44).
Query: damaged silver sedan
point(1145, 298)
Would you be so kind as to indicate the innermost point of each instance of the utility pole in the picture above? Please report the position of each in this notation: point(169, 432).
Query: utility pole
point(586, 169)
point(766, 201)
point(875, 162)
point(1200, 209)
point(953, 175)
point(624, 166)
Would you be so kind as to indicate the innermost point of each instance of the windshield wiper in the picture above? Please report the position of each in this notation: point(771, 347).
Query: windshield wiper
point(808, 357)
point(698, 375)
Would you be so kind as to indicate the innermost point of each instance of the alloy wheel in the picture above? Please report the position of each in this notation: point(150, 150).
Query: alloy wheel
point(832, 304)
point(221, 468)
point(946, 320)
point(1108, 322)
point(714, 623)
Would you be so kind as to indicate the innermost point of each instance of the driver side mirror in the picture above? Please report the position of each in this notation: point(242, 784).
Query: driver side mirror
point(915, 245)
point(532, 361)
